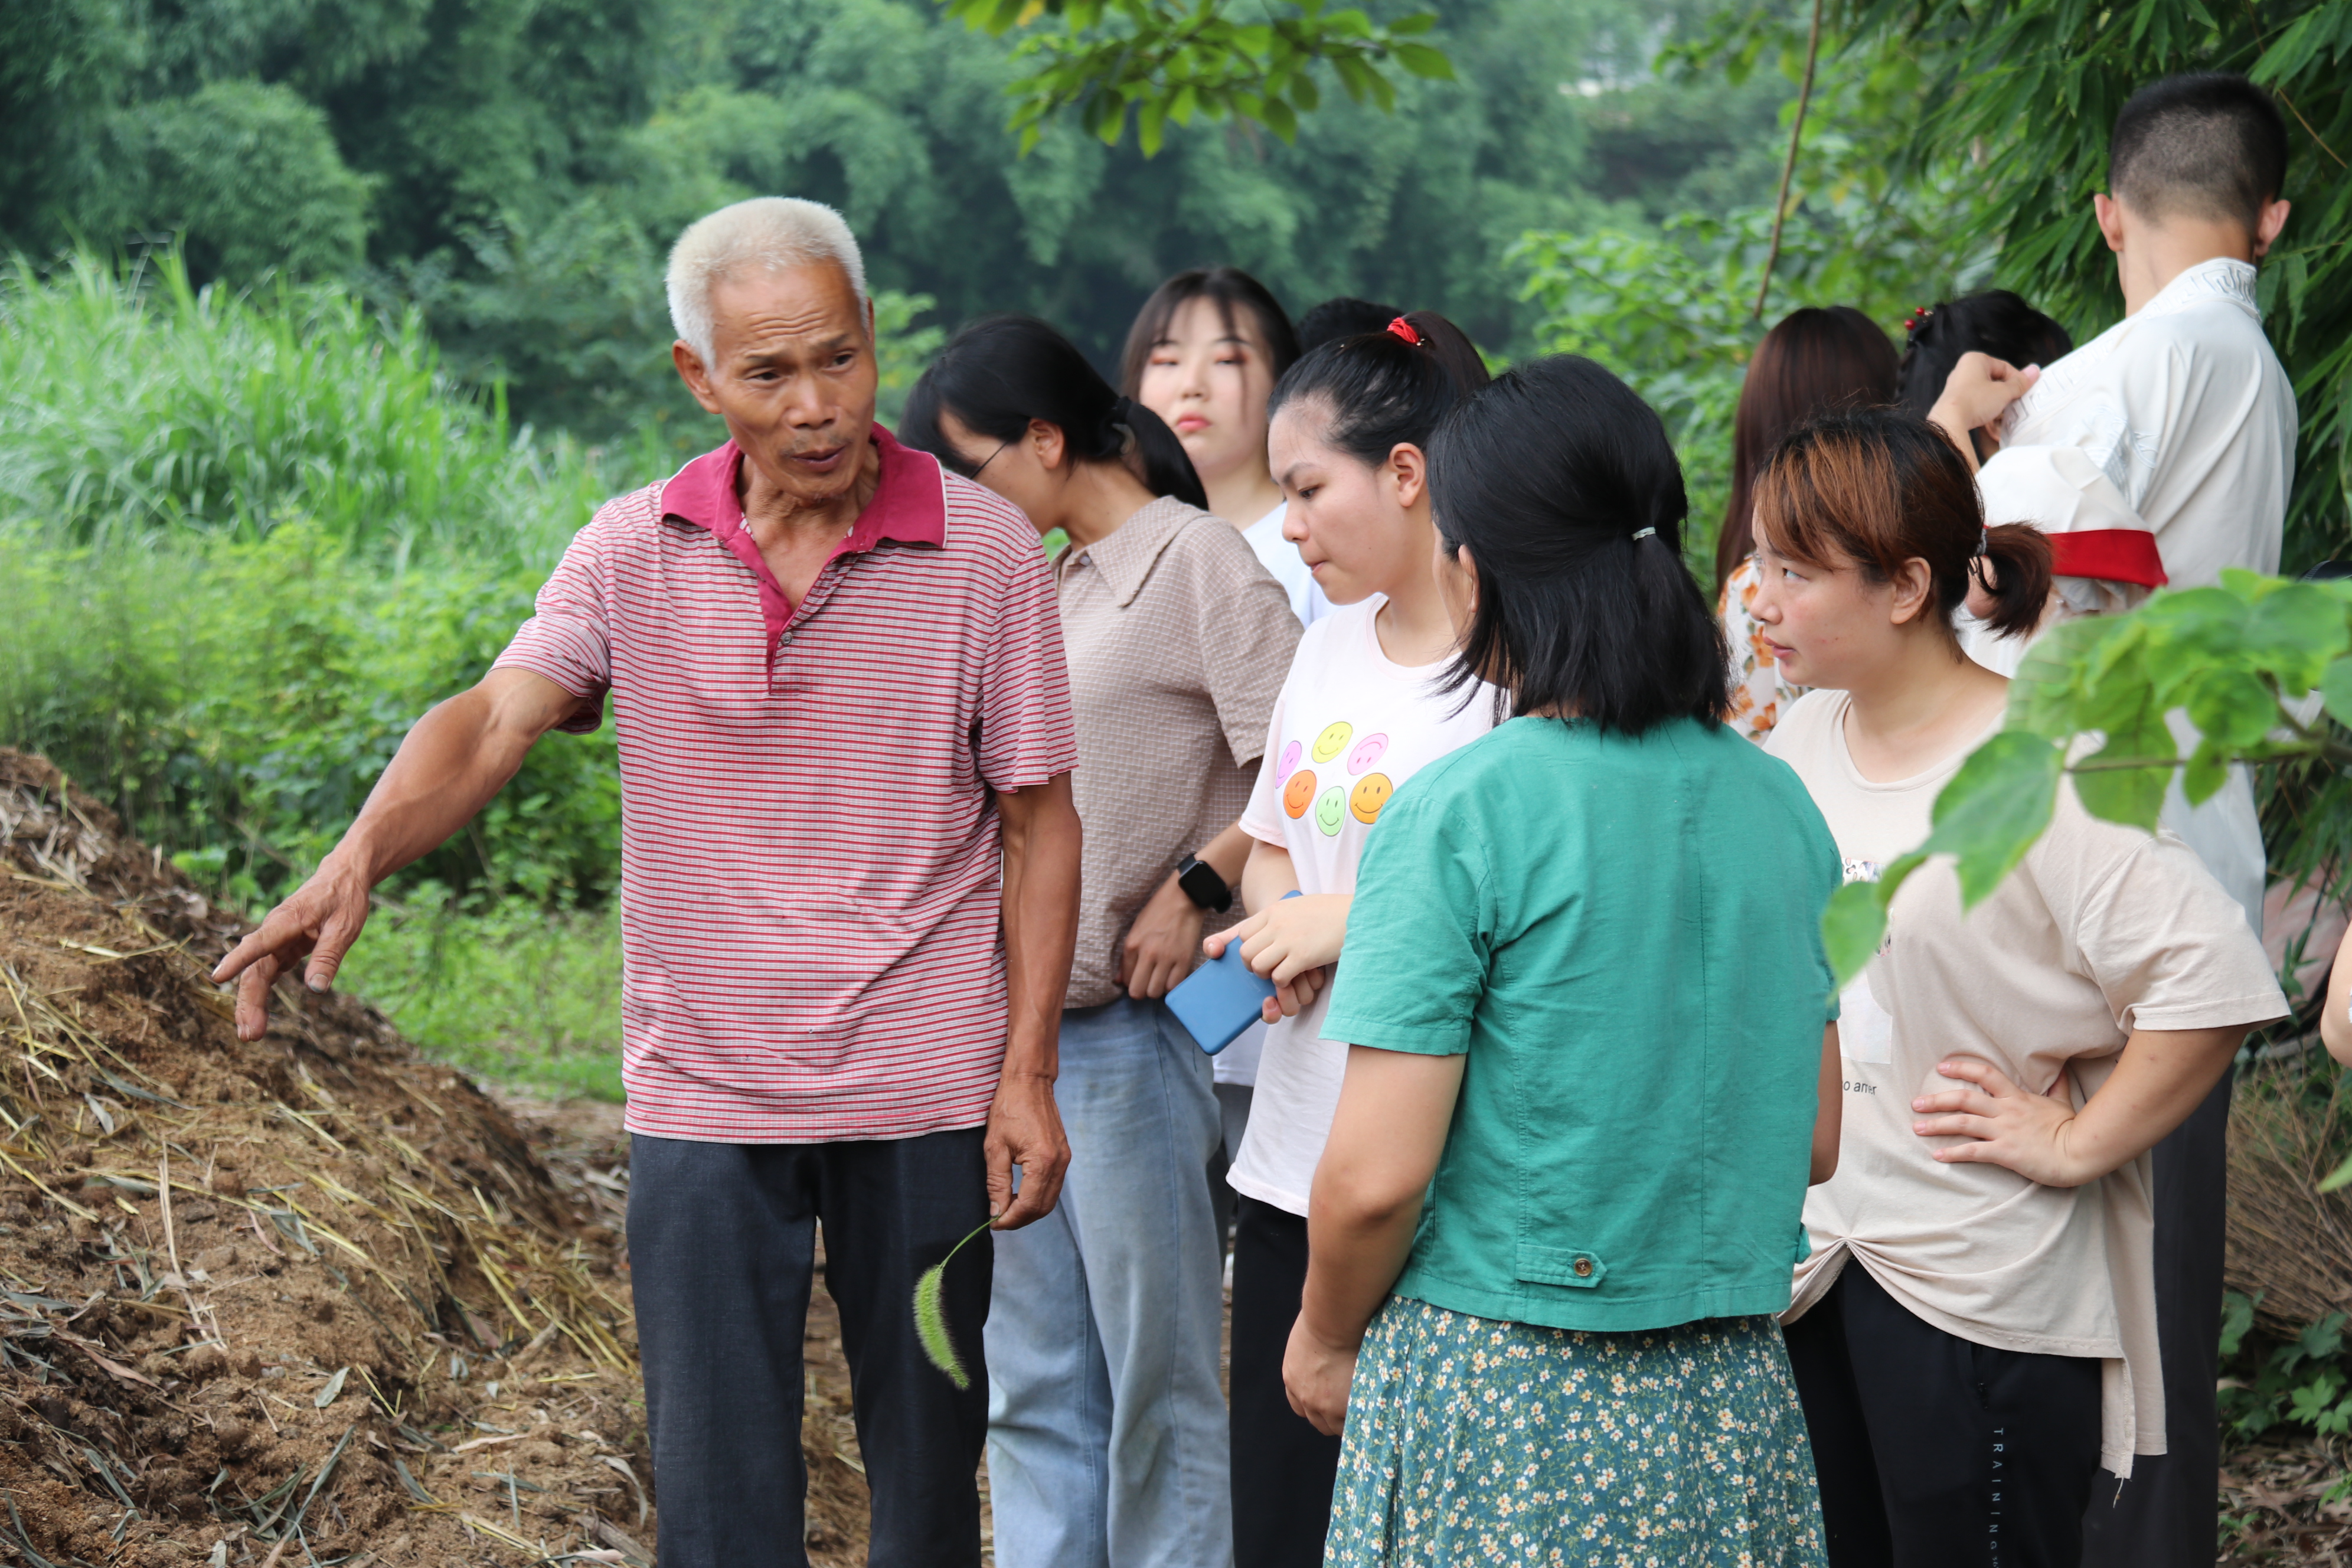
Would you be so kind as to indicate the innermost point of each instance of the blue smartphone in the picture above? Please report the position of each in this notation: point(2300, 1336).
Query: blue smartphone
point(1219, 1000)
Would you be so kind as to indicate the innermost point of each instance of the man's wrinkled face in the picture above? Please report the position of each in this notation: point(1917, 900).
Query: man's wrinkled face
point(792, 372)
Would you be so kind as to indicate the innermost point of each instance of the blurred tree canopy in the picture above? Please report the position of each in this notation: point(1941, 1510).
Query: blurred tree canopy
point(516, 168)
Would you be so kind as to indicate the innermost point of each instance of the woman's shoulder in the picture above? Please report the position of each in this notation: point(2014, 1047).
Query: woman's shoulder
point(1805, 726)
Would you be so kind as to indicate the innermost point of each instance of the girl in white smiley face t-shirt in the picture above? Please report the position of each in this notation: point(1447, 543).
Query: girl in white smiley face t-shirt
point(1363, 710)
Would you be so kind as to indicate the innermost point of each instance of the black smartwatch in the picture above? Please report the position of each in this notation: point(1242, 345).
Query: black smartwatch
point(1204, 886)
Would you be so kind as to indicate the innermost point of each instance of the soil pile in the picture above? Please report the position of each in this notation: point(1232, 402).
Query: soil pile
point(306, 1300)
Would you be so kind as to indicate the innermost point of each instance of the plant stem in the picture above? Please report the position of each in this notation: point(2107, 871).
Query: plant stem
point(1789, 168)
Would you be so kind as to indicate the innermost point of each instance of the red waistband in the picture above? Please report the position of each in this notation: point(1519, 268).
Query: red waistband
point(2116, 555)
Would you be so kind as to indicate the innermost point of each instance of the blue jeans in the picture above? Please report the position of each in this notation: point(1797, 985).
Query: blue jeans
point(1106, 1428)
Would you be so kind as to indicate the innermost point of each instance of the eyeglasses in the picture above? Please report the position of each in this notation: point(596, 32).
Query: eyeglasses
point(990, 459)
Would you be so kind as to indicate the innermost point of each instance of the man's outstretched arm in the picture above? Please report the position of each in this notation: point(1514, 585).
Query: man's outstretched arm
point(459, 754)
point(1042, 835)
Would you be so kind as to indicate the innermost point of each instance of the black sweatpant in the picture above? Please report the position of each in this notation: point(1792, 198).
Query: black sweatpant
point(1284, 1469)
point(2165, 1516)
point(1934, 1451)
point(721, 1255)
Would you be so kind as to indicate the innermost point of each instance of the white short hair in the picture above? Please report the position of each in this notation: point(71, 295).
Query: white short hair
point(772, 232)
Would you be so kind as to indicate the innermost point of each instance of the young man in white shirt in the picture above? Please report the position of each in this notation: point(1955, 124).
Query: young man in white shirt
point(2160, 453)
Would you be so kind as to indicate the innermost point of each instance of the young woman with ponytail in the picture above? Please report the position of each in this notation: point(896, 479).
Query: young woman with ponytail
point(1107, 1427)
point(1364, 708)
point(1974, 1324)
point(1589, 1067)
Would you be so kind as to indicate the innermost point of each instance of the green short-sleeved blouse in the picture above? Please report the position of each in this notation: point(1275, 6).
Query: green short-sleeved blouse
point(1623, 935)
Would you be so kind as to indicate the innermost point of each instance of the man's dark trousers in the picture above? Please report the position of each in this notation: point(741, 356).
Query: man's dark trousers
point(2168, 1515)
point(722, 1253)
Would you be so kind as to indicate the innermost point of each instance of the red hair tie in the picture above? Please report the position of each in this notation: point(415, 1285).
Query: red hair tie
point(1405, 329)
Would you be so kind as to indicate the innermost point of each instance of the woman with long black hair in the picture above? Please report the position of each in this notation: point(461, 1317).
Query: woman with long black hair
point(1590, 1069)
point(1107, 1427)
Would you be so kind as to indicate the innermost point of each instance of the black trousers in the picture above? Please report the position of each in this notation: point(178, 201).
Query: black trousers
point(721, 1253)
point(1934, 1451)
point(2166, 1515)
point(1284, 1469)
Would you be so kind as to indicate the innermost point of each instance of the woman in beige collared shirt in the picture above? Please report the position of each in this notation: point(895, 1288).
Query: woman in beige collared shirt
point(1107, 1429)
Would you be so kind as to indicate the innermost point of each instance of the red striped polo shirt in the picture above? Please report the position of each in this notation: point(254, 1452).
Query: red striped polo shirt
point(810, 878)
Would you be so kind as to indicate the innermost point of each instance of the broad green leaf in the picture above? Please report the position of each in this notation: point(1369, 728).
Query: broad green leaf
point(1994, 808)
point(2340, 1176)
point(2231, 707)
point(1150, 124)
point(1280, 118)
point(1852, 928)
point(2294, 630)
point(2208, 771)
point(1423, 61)
point(2335, 690)
point(2133, 795)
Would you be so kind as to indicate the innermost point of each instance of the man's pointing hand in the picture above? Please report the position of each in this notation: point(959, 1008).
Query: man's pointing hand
point(321, 919)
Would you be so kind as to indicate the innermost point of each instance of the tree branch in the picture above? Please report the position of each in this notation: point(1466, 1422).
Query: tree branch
point(1789, 168)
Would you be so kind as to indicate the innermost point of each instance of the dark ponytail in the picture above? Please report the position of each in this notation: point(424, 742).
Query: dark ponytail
point(1561, 484)
point(1881, 487)
point(2015, 570)
point(1996, 322)
point(998, 372)
point(1386, 389)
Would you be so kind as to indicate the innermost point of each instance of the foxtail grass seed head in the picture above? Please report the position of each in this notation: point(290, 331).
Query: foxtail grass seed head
point(931, 1318)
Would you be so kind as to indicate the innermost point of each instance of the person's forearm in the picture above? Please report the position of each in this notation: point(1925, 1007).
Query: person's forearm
point(1268, 877)
point(1042, 840)
point(450, 766)
point(1829, 1109)
point(1356, 1247)
point(1228, 854)
point(1950, 421)
point(2336, 1012)
point(2163, 1075)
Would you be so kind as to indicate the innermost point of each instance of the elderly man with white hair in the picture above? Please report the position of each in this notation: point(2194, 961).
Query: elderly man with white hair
point(849, 888)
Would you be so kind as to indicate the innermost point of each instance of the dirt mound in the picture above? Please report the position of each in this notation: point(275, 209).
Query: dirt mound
point(307, 1301)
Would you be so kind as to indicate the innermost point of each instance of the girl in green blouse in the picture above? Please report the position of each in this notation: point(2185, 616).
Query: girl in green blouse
point(1592, 1064)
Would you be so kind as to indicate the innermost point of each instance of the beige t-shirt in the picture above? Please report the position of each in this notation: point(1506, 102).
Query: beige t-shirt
point(1178, 642)
point(2101, 930)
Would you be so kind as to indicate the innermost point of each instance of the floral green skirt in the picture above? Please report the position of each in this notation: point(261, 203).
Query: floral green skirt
point(1472, 1441)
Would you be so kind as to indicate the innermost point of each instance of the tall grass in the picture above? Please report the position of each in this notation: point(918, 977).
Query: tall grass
point(131, 401)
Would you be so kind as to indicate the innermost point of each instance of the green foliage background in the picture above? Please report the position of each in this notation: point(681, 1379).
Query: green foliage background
point(515, 169)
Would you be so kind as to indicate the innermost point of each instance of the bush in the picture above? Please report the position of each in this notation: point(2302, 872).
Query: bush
point(131, 401)
point(509, 992)
point(235, 698)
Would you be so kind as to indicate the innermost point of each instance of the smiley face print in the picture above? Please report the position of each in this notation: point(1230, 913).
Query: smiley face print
point(1333, 740)
point(1372, 792)
point(1288, 760)
point(1298, 792)
point(1331, 810)
point(1368, 752)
